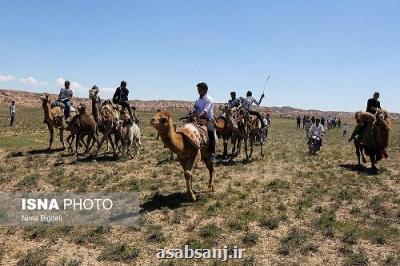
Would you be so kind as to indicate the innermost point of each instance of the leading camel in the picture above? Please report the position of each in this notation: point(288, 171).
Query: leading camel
point(374, 136)
point(185, 150)
point(54, 118)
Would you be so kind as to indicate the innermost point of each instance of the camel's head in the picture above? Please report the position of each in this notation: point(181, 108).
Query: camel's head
point(383, 117)
point(82, 109)
point(161, 121)
point(45, 97)
point(93, 92)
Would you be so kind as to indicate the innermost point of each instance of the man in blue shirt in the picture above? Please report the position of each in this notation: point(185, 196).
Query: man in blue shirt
point(65, 97)
point(203, 108)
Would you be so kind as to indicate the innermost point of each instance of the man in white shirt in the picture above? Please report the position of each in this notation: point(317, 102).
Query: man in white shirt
point(203, 108)
point(317, 129)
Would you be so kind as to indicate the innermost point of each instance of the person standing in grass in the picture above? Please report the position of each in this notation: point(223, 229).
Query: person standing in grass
point(298, 121)
point(13, 111)
point(345, 129)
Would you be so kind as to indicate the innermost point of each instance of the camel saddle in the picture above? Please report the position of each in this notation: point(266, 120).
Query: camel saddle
point(195, 134)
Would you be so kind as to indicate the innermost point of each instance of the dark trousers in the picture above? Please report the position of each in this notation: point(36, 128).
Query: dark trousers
point(125, 104)
point(258, 116)
point(12, 119)
point(211, 136)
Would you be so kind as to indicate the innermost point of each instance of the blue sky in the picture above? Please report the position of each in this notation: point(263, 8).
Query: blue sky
point(328, 55)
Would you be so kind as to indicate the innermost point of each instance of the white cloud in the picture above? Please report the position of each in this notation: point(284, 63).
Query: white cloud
point(29, 80)
point(32, 81)
point(5, 78)
point(75, 85)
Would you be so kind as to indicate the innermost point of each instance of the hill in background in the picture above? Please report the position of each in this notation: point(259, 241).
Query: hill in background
point(31, 99)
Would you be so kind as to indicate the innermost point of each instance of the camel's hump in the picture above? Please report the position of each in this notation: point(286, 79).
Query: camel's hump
point(197, 135)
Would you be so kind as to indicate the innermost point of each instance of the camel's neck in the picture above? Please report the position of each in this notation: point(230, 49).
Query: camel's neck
point(46, 110)
point(95, 110)
point(172, 140)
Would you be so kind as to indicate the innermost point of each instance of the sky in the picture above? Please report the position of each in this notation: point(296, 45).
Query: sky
point(326, 55)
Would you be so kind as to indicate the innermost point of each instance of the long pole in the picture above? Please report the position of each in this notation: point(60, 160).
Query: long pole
point(266, 81)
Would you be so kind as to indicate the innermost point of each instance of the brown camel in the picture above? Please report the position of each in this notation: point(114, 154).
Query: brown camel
point(374, 136)
point(185, 150)
point(227, 131)
point(249, 127)
point(83, 125)
point(54, 118)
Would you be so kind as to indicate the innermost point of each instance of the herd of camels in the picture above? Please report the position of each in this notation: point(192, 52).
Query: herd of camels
point(123, 133)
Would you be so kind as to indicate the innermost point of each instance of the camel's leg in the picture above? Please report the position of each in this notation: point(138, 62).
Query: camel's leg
point(252, 140)
point(225, 154)
point(358, 153)
point(362, 155)
point(262, 144)
point(114, 147)
point(246, 148)
point(62, 137)
point(210, 167)
point(233, 149)
point(78, 137)
point(188, 168)
point(373, 162)
point(70, 140)
point(95, 139)
point(51, 133)
point(105, 137)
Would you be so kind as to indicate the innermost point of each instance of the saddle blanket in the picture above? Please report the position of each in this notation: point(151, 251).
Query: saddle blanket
point(197, 135)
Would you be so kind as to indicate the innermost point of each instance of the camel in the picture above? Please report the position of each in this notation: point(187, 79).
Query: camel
point(250, 131)
point(83, 125)
point(108, 119)
point(374, 137)
point(255, 134)
point(184, 148)
point(226, 130)
point(129, 134)
point(54, 118)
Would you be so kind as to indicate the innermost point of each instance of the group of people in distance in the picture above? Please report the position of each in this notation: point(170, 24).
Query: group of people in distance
point(316, 126)
point(332, 122)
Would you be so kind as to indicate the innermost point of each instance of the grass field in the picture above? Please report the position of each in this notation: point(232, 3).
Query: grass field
point(287, 208)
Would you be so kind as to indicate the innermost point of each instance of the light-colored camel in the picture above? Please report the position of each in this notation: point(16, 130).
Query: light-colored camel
point(54, 118)
point(108, 121)
point(129, 134)
point(186, 151)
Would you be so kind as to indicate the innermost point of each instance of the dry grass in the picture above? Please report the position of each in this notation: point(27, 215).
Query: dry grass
point(285, 208)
